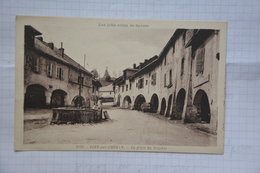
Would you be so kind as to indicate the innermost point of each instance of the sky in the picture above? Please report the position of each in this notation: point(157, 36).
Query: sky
point(114, 48)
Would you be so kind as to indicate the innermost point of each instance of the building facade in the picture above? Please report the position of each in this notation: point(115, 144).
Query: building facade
point(180, 83)
point(53, 79)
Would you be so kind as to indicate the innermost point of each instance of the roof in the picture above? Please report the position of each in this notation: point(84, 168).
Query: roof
point(131, 69)
point(168, 45)
point(119, 80)
point(107, 88)
point(32, 30)
point(148, 67)
point(40, 46)
point(199, 37)
point(72, 62)
point(43, 47)
point(104, 82)
point(96, 83)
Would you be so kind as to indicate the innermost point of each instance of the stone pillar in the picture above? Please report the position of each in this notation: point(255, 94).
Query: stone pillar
point(48, 98)
point(66, 103)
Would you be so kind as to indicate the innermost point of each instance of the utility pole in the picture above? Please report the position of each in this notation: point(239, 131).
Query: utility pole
point(80, 85)
point(84, 60)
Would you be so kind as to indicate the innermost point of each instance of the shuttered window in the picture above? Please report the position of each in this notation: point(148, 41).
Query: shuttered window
point(59, 73)
point(49, 69)
point(200, 61)
point(170, 77)
point(153, 81)
point(36, 65)
point(80, 80)
point(141, 83)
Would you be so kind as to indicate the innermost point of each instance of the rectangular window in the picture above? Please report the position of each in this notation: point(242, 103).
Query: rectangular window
point(146, 82)
point(165, 60)
point(80, 80)
point(126, 88)
point(200, 61)
point(61, 74)
point(141, 83)
point(57, 72)
point(36, 65)
point(49, 69)
point(130, 86)
point(153, 81)
point(123, 88)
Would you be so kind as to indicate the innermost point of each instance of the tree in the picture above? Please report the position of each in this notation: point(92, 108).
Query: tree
point(114, 74)
point(106, 75)
point(95, 73)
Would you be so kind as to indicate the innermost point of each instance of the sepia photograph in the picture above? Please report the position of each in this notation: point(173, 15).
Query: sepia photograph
point(120, 85)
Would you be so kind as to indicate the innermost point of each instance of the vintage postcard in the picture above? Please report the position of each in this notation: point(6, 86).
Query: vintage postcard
point(120, 85)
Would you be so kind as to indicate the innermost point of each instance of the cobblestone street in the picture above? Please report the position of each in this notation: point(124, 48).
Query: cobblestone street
point(125, 127)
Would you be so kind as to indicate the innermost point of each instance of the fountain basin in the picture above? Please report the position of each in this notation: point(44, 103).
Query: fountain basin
point(75, 115)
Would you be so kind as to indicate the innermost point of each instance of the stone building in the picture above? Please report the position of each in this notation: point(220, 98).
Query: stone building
point(180, 83)
point(52, 78)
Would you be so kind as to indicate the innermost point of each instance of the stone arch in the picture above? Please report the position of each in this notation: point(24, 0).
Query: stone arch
point(35, 96)
point(78, 101)
point(154, 103)
point(58, 98)
point(127, 102)
point(169, 106)
point(140, 99)
point(163, 106)
point(180, 103)
point(201, 102)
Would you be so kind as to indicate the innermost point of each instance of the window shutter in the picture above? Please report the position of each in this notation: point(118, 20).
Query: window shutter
point(200, 61)
point(57, 72)
point(61, 73)
point(51, 71)
point(154, 79)
point(36, 64)
point(48, 69)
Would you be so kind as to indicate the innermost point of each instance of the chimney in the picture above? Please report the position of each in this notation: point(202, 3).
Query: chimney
point(61, 50)
point(141, 65)
point(51, 45)
point(134, 66)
